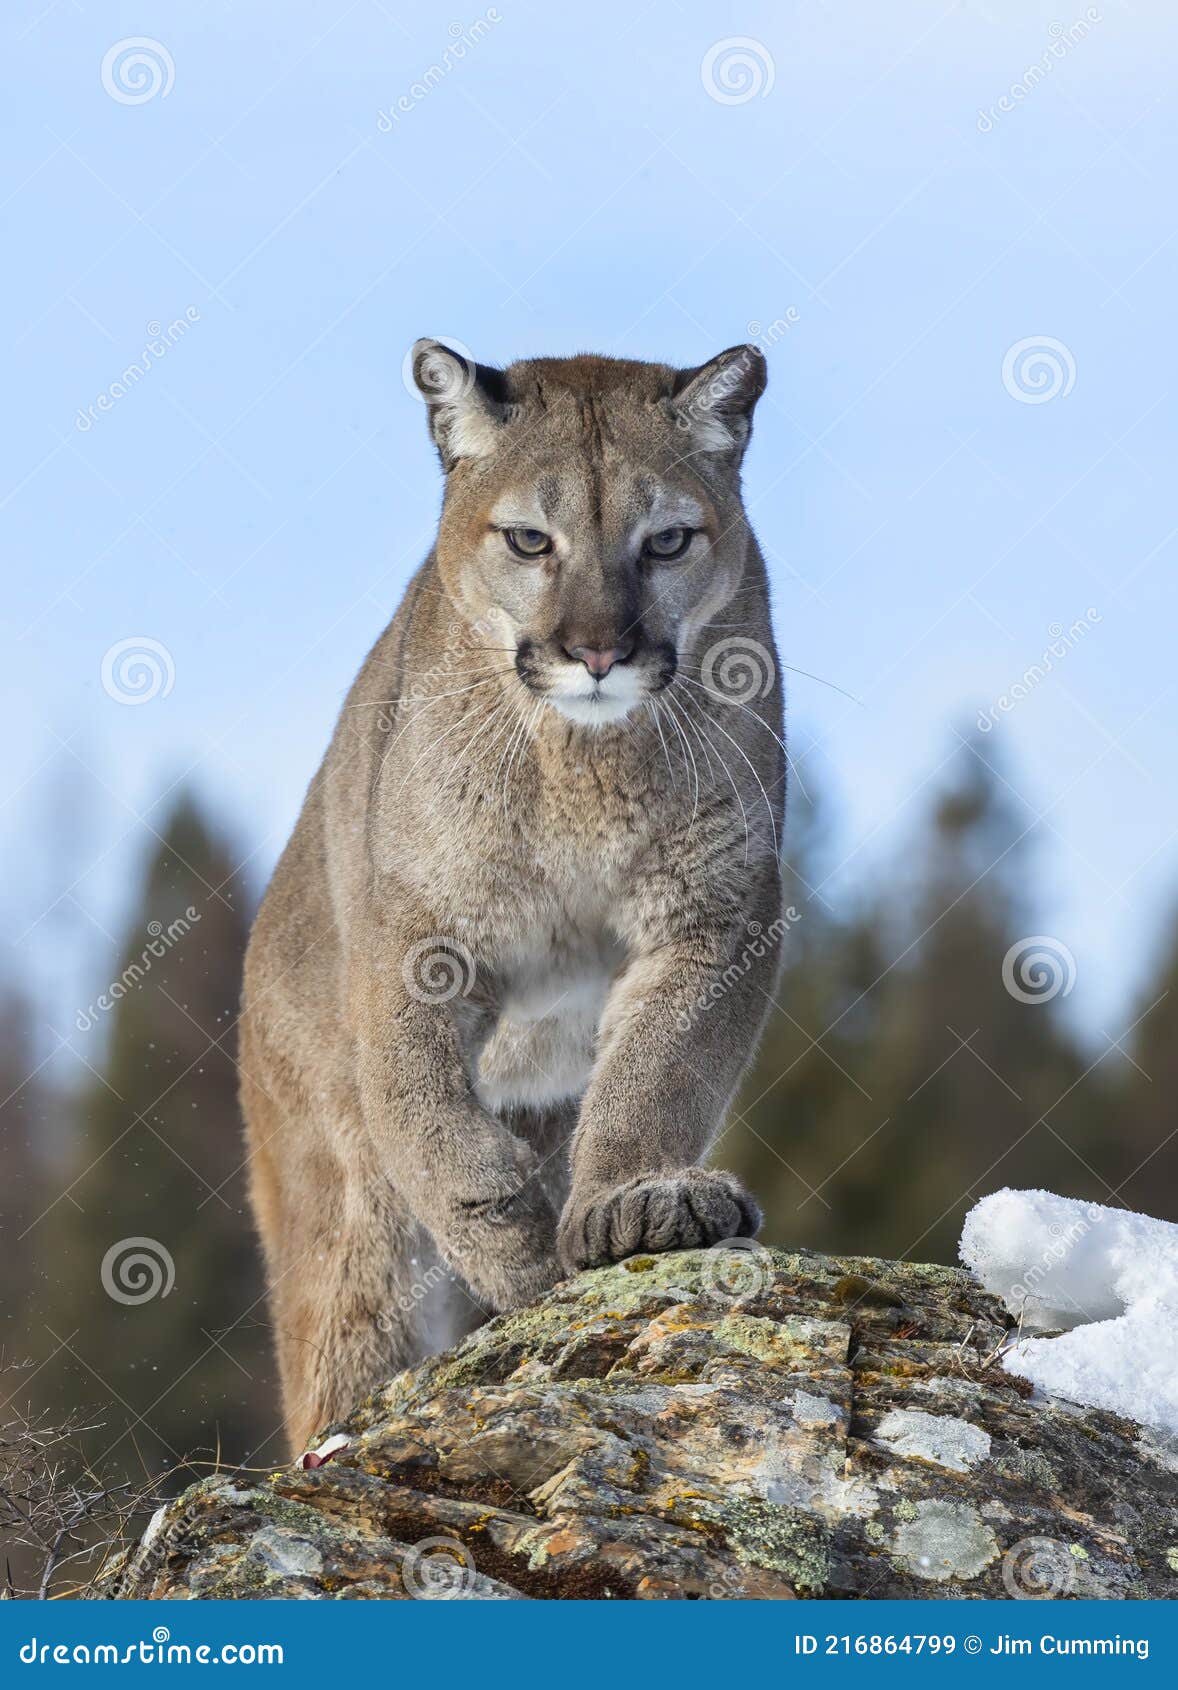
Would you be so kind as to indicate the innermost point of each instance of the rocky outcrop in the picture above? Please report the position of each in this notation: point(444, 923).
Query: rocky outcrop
point(711, 1424)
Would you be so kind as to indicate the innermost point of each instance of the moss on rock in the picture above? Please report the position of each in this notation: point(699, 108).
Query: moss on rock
point(681, 1426)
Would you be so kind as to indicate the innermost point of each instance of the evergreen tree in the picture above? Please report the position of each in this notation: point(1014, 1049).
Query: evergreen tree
point(152, 1276)
point(976, 1049)
point(23, 1102)
point(900, 1076)
point(1144, 1167)
point(807, 1101)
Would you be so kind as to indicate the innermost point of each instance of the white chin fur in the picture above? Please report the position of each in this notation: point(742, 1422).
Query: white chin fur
point(593, 711)
point(595, 703)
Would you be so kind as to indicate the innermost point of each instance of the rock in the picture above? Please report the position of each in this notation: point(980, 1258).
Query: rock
point(713, 1423)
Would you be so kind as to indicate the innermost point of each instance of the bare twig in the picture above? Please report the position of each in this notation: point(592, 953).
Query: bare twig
point(54, 1510)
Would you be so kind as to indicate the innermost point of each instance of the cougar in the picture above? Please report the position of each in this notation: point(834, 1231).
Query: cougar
point(517, 953)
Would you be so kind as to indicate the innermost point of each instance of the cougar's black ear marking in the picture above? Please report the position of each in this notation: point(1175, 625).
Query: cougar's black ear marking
point(466, 401)
point(715, 401)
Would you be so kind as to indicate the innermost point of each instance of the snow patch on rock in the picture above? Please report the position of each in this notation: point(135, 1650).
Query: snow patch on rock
point(1107, 1279)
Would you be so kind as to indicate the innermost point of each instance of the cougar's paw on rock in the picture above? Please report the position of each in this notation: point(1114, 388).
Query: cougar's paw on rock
point(678, 1211)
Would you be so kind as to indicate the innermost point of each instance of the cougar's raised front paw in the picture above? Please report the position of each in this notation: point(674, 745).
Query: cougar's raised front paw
point(678, 1211)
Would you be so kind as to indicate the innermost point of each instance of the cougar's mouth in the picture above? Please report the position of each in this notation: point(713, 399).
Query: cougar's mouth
point(593, 700)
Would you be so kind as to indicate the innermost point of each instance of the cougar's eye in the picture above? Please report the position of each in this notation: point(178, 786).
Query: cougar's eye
point(668, 543)
point(528, 542)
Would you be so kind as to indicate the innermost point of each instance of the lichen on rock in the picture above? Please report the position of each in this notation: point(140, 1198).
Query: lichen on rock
point(819, 1427)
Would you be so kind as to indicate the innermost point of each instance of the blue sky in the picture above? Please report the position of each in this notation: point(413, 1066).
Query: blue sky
point(254, 503)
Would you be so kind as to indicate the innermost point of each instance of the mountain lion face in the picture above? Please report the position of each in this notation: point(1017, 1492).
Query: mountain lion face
point(592, 514)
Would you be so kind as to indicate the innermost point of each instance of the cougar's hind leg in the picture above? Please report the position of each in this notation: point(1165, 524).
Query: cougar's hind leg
point(345, 1317)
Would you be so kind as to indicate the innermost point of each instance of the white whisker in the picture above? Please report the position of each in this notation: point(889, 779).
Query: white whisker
point(462, 757)
point(653, 705)
point(791, 668)
point(698, 731)
point(719, 726)
point(777, 739)
point(433, 745)
point(690, 753)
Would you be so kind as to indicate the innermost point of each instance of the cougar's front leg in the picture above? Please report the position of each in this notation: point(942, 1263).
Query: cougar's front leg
point(680, 1026)
point(466, 1177)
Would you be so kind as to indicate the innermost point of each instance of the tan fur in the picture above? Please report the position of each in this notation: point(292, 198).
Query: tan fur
point(494, 924)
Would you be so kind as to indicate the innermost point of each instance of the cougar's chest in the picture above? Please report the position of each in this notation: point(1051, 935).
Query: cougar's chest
point(552, 982)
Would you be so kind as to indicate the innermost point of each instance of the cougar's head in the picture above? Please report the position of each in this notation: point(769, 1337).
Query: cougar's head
point(592, 513)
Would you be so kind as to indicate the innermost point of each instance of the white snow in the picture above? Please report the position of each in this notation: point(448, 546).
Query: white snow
point(1106, 1278)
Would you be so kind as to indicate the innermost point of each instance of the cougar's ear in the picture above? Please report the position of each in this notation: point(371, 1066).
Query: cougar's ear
point(715, 401)
point(466, 401)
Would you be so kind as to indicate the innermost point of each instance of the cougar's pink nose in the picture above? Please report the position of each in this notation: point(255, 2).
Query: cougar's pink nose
point(599, 663)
